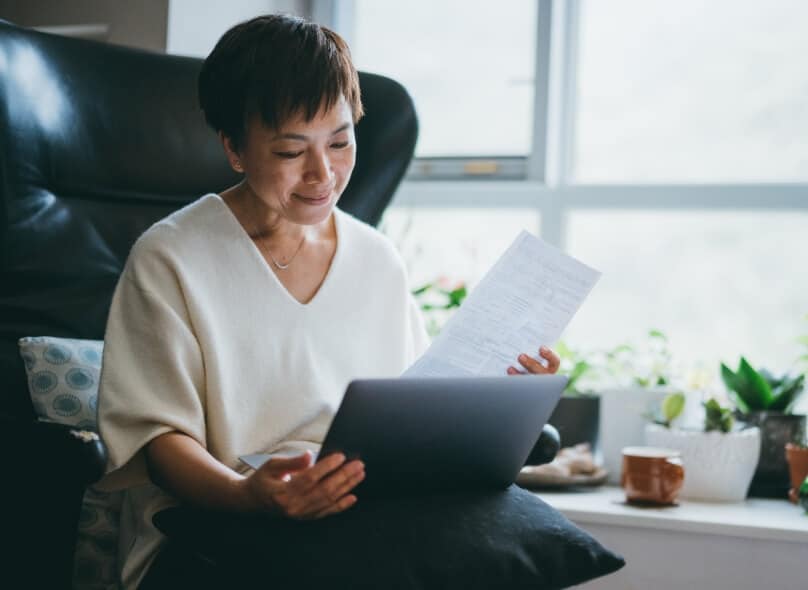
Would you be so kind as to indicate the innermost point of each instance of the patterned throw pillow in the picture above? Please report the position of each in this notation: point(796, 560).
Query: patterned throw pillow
point(63, 384)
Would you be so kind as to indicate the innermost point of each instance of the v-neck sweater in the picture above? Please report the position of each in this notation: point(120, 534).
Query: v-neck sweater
point(203, 338)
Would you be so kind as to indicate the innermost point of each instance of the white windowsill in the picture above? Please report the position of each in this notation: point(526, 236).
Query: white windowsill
point(755, 518)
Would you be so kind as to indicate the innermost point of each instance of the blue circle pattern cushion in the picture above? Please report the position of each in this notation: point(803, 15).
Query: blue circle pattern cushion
point(63, 383)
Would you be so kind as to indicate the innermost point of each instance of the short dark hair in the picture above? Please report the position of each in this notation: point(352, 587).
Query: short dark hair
point(275, 66)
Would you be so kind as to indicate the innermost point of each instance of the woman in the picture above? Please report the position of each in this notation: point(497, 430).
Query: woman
point(237, 322)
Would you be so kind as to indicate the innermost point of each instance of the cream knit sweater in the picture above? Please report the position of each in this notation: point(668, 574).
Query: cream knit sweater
point(202, 338)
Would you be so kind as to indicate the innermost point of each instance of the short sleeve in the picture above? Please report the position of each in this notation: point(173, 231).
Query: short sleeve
point(152, 377)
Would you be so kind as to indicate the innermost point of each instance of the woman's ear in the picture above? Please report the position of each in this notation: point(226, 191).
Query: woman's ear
point(232, 155)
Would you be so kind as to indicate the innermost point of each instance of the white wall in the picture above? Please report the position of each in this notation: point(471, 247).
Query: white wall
point(140, 24)
point(183, 27)
point(194, 26)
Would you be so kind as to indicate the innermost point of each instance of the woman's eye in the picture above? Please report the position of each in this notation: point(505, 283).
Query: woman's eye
point(340, 145)
point(288, 155)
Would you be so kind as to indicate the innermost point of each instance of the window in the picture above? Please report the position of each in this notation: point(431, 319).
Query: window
point(665, 144)
point(469, 68)
point(719, 283)
point(454, 244)
point(692, 91)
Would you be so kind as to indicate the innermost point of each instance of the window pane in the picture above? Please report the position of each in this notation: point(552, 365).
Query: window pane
point(456, 244)
point(470, 77)
point(692, 91)
point(719, 284)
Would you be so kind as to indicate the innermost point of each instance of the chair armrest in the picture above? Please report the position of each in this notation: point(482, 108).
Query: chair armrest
point(46, 469)
point(76, 455)
point(545, 449)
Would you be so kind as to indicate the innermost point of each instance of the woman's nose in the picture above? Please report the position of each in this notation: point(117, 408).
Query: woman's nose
point(318, 170)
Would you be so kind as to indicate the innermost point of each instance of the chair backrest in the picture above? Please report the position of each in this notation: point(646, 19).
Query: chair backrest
point(98, 142)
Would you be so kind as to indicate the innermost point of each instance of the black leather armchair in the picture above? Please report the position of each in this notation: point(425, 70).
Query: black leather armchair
point(97, 142)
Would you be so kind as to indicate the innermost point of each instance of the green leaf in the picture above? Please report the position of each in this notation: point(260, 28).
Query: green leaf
point(792, 385)
point(579, 369)
point(457, 296)
point(422, 290)
point(716, 417)
point(770, 378)
point(759, 392)
point(620, 349)
point(735, 385)
point(657, 334)
point(804, 488)
point(672, 406)
point(711, 411)
point(563, 350)
point(788, 392)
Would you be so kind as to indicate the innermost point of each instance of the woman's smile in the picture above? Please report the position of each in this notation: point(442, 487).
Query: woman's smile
point(315, 199)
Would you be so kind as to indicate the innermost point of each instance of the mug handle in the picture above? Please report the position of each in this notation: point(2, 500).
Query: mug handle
point(674, 470)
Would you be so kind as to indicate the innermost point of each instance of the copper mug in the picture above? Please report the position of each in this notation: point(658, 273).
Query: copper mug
point(652, 475)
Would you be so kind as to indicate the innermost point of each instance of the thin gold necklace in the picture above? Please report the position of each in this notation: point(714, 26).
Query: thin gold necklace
point(263, 246)
point(259, 239)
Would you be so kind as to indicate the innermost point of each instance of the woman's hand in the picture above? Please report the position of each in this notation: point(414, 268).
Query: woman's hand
point(534, 366)
point(298, 489)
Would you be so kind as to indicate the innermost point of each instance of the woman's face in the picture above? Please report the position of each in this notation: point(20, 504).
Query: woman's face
point(300, 170)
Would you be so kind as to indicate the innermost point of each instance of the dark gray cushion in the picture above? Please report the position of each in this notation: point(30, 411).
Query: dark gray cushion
point(503, 539)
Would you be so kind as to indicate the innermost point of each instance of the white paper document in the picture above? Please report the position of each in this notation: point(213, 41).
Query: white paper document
point(257, 459)
point(525, 301)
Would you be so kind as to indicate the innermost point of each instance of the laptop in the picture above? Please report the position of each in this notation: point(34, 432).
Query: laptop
point(438, 434)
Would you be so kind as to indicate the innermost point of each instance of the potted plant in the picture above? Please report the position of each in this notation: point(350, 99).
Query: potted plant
point(438, 300)
point(719, 459)
point(635, 380)
point(766, 401)
point(797, 454)
point(577, 415)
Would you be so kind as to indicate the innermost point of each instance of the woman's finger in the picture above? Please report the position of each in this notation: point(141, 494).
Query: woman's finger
point(343, 504)
point(344, 481)
point(553, 360)
point(532, 365)
point(304, 481)
point(536, 367)
point(333, 488)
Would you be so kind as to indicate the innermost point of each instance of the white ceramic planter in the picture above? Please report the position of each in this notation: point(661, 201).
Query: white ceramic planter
point(718, 467)
point(622, 422)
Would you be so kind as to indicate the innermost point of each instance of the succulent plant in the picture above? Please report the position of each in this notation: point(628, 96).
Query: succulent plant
point(757, 391)
point(717, 417)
